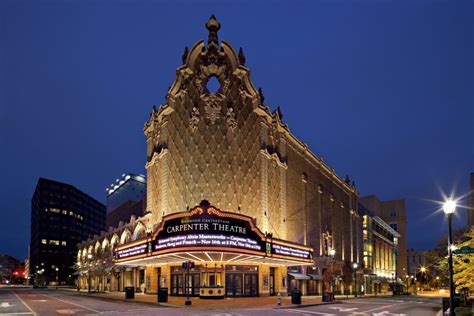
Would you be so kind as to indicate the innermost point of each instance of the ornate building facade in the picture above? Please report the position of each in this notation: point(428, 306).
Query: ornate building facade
point(224, 145)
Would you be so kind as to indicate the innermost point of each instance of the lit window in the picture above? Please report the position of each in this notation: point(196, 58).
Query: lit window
point(44, 241)
point(55, 210)
point(54, 242)
point(63, 243)
point(64, 212)
point(71, 213)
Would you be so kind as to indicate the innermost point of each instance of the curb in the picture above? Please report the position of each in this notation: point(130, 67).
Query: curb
point(122, 299)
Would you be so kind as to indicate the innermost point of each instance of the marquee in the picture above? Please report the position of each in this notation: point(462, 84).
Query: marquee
point(206, 228)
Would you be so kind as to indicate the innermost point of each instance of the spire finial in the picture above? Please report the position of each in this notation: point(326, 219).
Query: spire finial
point(185, 54)
point(260, 93)
point(241, 57)
point(213, 26)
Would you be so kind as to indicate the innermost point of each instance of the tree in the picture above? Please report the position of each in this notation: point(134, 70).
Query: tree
point(437, 258)
point(464, 264)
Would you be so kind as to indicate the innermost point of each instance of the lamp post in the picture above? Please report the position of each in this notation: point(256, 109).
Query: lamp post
point(423, 271)
point(332, 253)
point(393, 283)
point(57, 277)
point(449, 207)
point(89, 256)
point(355, 266)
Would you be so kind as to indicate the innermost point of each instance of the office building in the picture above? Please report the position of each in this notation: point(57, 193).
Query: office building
point(61, 217)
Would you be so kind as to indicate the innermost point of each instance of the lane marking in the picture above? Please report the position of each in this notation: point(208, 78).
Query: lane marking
point(305, 312)
point(24, 303)
point(374, 309)
point(344, 309)
point(64, 301)
point(6, 304)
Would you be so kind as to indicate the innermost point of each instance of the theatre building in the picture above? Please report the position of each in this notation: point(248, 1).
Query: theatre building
point(230, 188)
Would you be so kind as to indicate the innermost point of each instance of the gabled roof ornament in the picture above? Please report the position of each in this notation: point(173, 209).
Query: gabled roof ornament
point(213, 26)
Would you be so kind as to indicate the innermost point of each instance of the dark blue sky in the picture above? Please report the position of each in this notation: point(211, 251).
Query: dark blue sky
point(382, 90)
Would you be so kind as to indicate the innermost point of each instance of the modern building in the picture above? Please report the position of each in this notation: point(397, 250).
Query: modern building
point(61, 217)
point(392, 212)
point(470, 202)
point(416, 260)
point(125, 198)
point(8, 266)
point(230, 188)
point(380, 253)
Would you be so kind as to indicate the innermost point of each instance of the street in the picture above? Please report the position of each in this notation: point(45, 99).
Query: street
point(53, 302)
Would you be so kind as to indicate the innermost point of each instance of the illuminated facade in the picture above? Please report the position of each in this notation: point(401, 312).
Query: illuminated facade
point(225, 146)
point(380, 254)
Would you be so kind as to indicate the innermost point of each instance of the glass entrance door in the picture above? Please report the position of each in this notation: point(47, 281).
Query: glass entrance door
point(178, 283)
point(233, 284)
point(251, 284)
point(241, 284)
point(272, 281)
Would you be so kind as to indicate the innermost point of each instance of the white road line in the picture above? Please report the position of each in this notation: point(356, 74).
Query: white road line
point(67, 302)
point(375, 309)
point(24, 303)
point(305, 312)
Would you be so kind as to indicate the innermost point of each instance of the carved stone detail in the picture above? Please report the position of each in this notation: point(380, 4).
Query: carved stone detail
point(194, 121)
point(231, 120)
point(213, 106)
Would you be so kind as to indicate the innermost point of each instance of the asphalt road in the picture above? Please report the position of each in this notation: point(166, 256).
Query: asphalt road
point(51, 302)
point(397, 306)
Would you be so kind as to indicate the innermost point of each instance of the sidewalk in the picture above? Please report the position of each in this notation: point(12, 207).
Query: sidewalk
point(226, 303)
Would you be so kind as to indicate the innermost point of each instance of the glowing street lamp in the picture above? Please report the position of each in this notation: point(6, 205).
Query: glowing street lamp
point(355, 265)
point(89, 256)
point(57, 277)
point(449, 207)
point(332, 253)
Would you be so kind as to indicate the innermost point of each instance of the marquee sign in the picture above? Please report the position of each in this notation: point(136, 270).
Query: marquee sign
point(206, 228)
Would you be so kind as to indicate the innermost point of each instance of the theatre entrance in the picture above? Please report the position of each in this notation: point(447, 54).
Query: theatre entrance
point(178, 282)
point(241, 281)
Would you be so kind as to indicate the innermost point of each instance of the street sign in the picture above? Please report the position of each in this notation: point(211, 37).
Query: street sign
point(464, 250)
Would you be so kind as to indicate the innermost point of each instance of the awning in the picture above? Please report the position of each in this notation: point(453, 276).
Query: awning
point(299, 276)
point(315, 276)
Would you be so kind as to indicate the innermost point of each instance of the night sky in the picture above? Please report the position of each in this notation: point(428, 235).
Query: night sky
point(382, 90)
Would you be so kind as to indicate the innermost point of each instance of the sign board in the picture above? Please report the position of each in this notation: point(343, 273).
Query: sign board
point(131, 251)
point(463, 250)
point(206, 228)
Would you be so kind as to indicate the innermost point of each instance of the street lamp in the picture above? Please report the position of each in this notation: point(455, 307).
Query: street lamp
point(449, 207)
point(89, 256)
point(332, 253)
point(422, 270)
point(57, 277)
point(355, 266)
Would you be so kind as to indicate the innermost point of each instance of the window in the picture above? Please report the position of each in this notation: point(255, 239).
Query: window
point(54, 242)
point(63, 243)
point(44, 241)
point(394, 226)
point(393, 213)
point(64, 212)
point(54, 210)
